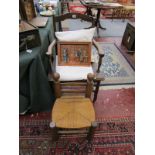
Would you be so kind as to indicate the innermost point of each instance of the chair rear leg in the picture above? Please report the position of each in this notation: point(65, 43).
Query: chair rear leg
point(68, 7)
point(96, 90)
point(55, 136)
point(91, 131)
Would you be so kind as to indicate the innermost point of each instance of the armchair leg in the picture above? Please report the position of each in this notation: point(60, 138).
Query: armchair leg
point(96, 90)
point(68, 7)
point(91, 131)
point(54, 131)
point(100, 62)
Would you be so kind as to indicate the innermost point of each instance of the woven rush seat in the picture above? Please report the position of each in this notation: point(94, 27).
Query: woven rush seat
point(73, 112)
point(128, 7)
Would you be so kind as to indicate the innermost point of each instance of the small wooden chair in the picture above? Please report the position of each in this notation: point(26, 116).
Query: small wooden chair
point(72, 110)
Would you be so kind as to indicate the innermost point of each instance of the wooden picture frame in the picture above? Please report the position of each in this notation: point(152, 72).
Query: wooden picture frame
point(27, 9)
point(74, 53)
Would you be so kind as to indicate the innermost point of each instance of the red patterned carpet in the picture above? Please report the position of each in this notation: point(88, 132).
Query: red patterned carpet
point(113, 136)
point(81, 9)
point(77, 8)
point(117, 103)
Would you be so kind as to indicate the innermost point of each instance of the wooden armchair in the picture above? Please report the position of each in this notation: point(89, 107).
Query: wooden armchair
point(73, 110)
point(94, 65)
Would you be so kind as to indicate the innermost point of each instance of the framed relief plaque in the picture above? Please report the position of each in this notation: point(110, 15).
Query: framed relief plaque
point(74, 53)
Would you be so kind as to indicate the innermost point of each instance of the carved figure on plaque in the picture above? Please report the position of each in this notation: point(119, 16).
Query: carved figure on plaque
point(74, 53)
point(85, 56)
point(77, 55)
point(65, 55)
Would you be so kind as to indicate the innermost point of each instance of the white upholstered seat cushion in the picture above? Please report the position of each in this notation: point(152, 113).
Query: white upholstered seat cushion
point(72, 73)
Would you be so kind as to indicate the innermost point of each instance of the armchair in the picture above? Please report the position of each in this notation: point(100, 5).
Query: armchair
point(96, 58)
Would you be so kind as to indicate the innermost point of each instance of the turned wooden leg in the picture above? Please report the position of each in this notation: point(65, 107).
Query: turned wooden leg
point(91, 131)
point(68, 7)
point(62, 9)
point(100, 63)
point(54, 131)
point(96, 90)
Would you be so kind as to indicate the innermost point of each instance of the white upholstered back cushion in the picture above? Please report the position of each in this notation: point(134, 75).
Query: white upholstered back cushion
point(85, 35)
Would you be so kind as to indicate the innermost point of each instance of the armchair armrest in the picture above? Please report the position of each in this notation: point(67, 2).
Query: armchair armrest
point(97, 46)
point(99, 77)
point(100, 53)
point(50, 47)
point(51, 56)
